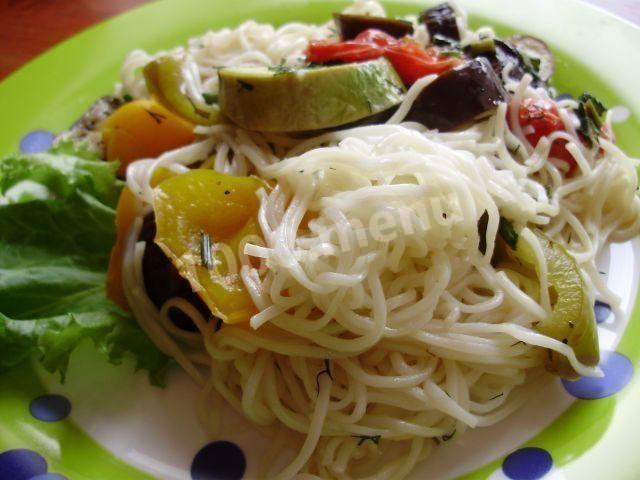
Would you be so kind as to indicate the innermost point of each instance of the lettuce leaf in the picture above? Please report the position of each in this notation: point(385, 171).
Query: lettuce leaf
point(54, 253)
point(65, 146)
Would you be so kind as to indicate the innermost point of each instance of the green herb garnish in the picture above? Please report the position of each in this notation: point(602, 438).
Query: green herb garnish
point(446, 438)
point(531, 65)
point(210, 98)
point(363, 438)
point(205, 250)
point(591, 114)
point(281, 69)
point(325, 371)
point(483, 222)
point(443, 41)
point(127, 98)
point(548, 189)
point(507, 232)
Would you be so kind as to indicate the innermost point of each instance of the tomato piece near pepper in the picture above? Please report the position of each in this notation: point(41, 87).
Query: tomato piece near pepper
point(539, 118)
point(413, 62)
point(351, 51)
point(126, 213)
point(373, 36)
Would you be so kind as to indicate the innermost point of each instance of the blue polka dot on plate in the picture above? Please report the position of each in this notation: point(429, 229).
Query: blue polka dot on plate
point(529, 463)
point(50, 408)
point(602, 311)
point(49, 476)
point(219, 460)
point(21, 464)
point(617, 371)
point(36, 141)
point(564, 96)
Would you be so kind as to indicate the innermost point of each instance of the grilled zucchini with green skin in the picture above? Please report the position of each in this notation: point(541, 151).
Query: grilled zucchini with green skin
point(287, 100)
point(572, 319)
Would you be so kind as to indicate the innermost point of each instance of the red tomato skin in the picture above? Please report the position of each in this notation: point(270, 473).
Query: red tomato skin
point(413, 62)
point(410, 60)
point(376, 37)
point(329, 51)
point(542, 115)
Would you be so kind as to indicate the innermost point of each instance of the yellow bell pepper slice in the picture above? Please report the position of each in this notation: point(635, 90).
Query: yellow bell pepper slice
point(201, 218)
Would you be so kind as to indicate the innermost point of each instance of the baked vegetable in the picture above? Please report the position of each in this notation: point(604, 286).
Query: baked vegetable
point(262, 99)
point(194, 212)
point(572, 319)
point(441, 22)
point(350, 26)
point(463, 94)
point(502, 54)
point(410, 60)
point(537, 53)
point(162, 280)
point(166, 80)
point(143, 129)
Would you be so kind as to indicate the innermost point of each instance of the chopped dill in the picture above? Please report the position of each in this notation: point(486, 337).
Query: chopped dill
point(446, 438)
point(363, 438)
point(210, 98)
point(326, 370)
point(281, 69)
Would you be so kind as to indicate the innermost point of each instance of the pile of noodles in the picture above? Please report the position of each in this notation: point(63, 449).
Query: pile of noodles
point(382, 329)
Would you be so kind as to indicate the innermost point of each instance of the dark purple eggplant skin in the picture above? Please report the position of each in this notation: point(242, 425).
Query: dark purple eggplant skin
point(350, 26)
point(506, 54)
point(459, 96)
point(441, 20)
point(162, 280)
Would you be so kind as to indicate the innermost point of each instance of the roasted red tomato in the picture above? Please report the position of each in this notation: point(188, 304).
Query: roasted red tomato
point(413, 62)
point(352, 51)
point(540, 118)
point(410, 60)
point(375, 37)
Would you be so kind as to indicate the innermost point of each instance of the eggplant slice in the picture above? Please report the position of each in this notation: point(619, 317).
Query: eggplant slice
point(469, 92)
point(504, 55)
point(162, 280)
point(537, 50)
point(441, 21)
point(350, 26)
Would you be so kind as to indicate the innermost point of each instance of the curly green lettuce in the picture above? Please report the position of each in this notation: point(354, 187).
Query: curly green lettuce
point(57, 214)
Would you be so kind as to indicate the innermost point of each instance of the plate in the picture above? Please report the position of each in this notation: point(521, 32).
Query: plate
point(106, 422)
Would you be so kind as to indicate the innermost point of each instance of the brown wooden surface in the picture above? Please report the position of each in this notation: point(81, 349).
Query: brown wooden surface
point(29, 27)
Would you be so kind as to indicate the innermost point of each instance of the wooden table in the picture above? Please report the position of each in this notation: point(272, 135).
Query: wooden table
point(28, 27)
